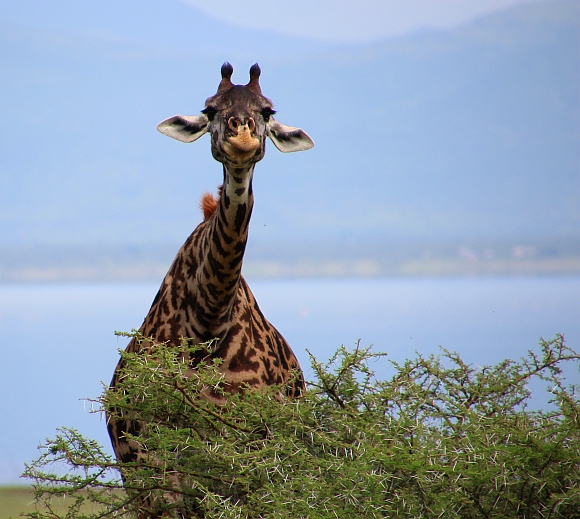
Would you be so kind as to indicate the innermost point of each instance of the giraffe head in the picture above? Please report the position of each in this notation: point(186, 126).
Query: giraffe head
point(238, 118)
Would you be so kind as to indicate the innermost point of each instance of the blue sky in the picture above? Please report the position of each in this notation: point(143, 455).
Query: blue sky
point(467, 130)
point(348, 21)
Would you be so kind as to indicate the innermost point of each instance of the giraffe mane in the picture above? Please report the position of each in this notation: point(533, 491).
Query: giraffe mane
point(209, 203)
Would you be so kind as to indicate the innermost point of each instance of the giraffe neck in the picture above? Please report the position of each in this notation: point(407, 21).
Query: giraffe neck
point(223, 243)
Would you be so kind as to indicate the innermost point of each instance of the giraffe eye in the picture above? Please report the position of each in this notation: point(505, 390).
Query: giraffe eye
point(267, 112)
point(209, 112)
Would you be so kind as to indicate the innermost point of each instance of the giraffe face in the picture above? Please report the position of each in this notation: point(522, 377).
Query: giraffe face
point(237, 122)
point(238, 118)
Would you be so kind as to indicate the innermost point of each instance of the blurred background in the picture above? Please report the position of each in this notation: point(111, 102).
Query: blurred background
point(440, 205)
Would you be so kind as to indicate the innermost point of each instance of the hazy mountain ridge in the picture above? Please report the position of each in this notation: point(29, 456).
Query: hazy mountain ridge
point(470, 135)
point(347, 258)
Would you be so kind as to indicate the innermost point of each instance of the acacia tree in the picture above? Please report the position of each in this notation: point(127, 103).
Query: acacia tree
point(439, 438)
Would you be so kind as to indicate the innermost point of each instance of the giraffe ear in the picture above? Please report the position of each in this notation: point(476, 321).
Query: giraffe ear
point(288, 138)
point(184, 128)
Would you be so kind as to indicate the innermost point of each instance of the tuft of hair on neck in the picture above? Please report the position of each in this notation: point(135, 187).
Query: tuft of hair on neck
point(209, 203)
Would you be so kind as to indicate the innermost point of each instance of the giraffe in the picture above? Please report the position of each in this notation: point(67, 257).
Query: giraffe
point(204, 295)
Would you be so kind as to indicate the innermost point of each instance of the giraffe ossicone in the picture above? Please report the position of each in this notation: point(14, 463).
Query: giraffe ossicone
point(204, 295)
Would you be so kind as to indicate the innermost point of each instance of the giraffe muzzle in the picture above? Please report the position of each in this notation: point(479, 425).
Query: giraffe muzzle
point(243, 141)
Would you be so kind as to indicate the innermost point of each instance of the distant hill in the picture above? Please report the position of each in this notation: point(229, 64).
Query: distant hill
point(467, 135)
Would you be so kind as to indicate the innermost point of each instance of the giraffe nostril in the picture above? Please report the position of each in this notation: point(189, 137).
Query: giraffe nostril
point(233, 123)
point(237, 124)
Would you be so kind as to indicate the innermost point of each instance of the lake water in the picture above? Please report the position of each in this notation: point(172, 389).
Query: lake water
point(57, 341)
